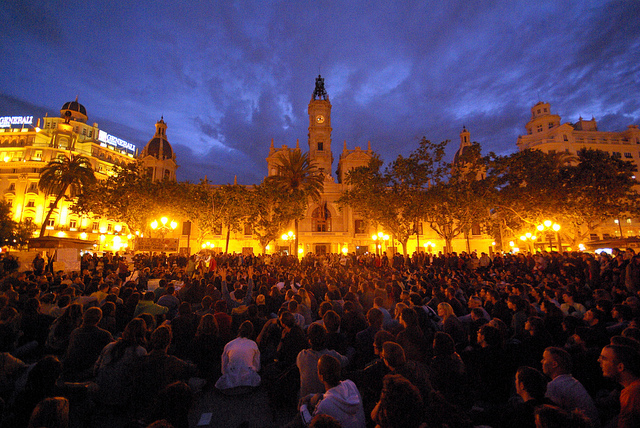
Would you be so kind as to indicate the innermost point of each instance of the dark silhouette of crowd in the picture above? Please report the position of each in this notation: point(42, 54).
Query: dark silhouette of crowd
point(427, 340)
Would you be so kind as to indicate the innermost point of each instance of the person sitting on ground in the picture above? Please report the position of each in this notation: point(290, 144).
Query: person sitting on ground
point(564, 390)
point(307, 360)
point(400, 404)
point(531, 386)
point(85, 345)
point(147, 306)
point(341, 400)
point(240, 362)
point(622, 364)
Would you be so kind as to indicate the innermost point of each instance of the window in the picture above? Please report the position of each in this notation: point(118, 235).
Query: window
point(33, 188)
point(84, 131)
point(10, 202)
point(566, 138)
point(28, 220)
point(538, 111)
point(627, 155)
point(529, 131)
point(31, 203)
point(359, 226)
point(616, 155)
point(320, 146)
point(593, 236)
point(545, 109)
point(95, 227)
point(73, 224)
point(90, 134)
point(539, 128)
point(248, 230)
point(550, 125)
point(50, 223)
point(475, 229)
point(321, 219)
point(110, 228)
point(38, 155)
point(51, 203)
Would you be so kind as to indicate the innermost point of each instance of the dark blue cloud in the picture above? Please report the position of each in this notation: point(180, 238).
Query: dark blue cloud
point(230, 76)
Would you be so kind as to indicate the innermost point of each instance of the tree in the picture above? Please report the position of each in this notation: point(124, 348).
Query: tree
point(232, 209)
point(300, 180)
point(269, 212)
point(126, 195)
point(393, 198)
point(453, 206)
point(12, 233)
point(65, 174)
point(200, 205)
point(597, 189)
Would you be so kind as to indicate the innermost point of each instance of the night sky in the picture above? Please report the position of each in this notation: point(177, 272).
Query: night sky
point(230, 76)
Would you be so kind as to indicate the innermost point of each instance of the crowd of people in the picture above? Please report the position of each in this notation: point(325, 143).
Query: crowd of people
point(530, 340)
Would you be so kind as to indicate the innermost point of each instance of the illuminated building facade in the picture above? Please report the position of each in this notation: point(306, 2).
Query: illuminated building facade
point(25, 148)
point(546, 132)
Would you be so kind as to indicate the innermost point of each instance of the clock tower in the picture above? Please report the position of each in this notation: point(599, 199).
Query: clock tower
point(320, 128)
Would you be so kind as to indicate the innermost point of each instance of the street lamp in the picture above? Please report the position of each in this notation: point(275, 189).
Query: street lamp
point(288, 237)
point(164, 225)
point(529, 237)
point(429, 246)
point(375, 244)
point(548, 226)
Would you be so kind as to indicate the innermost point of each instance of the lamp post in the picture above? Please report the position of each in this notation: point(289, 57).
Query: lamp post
point(529, 239)
point(164, 225)
point(548, 226)
point(288, 237)
point(375, 243)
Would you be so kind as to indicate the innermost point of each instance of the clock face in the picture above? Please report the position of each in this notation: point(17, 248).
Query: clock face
point(320, 118)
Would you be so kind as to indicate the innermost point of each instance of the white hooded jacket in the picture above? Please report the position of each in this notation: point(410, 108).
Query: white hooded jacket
point(343, 403)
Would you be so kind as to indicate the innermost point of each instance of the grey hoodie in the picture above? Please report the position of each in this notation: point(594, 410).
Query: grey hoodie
point(343, 403)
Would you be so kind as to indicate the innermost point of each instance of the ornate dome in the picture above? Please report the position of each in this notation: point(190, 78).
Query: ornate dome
point(159, 148)
point(74, 110)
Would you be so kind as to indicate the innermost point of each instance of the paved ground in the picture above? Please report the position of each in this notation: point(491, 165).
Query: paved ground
point(249, 410)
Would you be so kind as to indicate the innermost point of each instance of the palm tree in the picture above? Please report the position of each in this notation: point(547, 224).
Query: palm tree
point(62, 174)
point(300, 178)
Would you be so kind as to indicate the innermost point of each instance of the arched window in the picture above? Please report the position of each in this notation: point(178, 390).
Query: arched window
point(321, 219)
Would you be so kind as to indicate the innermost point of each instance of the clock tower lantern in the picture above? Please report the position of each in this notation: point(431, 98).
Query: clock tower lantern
point(320, 128)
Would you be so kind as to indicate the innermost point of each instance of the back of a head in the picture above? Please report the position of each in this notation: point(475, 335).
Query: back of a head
point(443, 344)
point(400, 403)
point(51, 412)
point(393, 354)
point(331, 321)
point(375, 317)
point(628, 356)
point(149, 296)
point(246, 329)
point(161, 337)
point(329, 369)
point(287, 319)
point(534, 382)
point(92, 316)
point(317, 337)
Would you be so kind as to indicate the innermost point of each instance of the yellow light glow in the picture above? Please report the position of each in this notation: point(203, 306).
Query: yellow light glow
point(556, 227)
point(523, 238)
point(7, 158)
point(154, 224)
point(528, 234)
point(208, 244)
point(102, 237)
point(173, 225)
point(164, 220)
point(547, 223)
point(385, 237)
point(300, 250)
point(137, 233)
point(374, 237)
point(426, 245)
point(118, 227)
point(379, 246)
point(380, 234)
point(581, 246)
point(285, 237)
point(129, 236)
point(540, 227)
point(290, 233)
point(83, 235)
point(61, 234)
point(493, 243)
point(204, 245)
point(534, 237)
point(103, 230)
point(345, 250)
point(512, 244)
point(268, 247)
